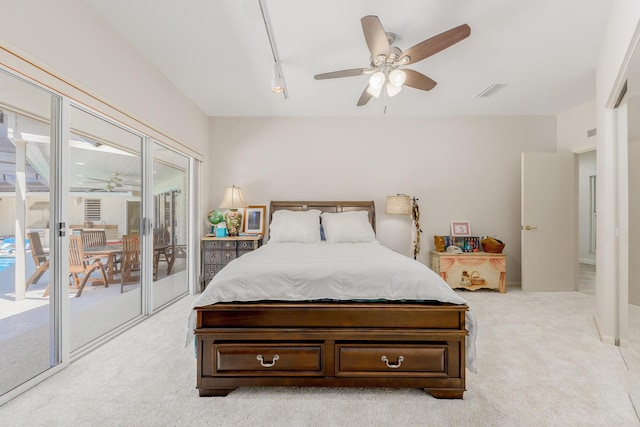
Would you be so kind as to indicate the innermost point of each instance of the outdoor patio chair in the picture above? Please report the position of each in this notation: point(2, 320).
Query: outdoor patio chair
point(79, 264)
point(162, 247)
point(93, 238)
point(40, 258)
point(130, 260)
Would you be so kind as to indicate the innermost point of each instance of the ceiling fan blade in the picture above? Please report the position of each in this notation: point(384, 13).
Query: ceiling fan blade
point(341, 73)
point(418, 80)
point(436, 44)
point(365, 97)
point(375, 36)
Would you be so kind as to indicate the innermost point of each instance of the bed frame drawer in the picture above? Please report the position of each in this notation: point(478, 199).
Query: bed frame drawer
point(269, 359)
point(392, 360)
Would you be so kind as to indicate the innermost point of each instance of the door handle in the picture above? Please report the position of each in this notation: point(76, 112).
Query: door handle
point(528, 228)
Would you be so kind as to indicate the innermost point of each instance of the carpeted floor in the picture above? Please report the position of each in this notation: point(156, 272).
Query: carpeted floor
point(540, 363)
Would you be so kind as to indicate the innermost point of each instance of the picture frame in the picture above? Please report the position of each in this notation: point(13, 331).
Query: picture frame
point(255, 219)
point(460, 228)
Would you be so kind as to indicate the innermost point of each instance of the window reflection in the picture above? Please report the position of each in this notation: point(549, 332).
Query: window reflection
point(170, 224)
point(105, 178)
point(26, 329)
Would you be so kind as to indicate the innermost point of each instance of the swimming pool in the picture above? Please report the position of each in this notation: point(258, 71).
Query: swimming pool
point(6, 262)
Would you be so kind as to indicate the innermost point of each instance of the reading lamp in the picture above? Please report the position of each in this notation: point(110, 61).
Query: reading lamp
point(233, 201)
point(401, 204)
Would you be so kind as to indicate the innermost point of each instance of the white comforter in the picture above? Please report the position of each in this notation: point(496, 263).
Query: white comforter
point(343, 271)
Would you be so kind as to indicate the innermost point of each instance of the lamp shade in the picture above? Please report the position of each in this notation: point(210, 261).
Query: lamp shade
point(232, 199)
point(398, 205)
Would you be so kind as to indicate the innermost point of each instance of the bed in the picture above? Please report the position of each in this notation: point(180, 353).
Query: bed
point(330, 313)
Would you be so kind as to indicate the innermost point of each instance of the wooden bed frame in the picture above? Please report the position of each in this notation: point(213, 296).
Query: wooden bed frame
point(331, 344)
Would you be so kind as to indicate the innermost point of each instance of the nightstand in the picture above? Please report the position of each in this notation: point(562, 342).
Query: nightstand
point(216, 252)
point(471, 270)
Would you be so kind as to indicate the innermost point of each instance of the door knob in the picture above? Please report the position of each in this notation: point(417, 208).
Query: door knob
point(528, 227)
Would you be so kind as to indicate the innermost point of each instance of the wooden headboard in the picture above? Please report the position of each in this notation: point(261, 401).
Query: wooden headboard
point(328, 206)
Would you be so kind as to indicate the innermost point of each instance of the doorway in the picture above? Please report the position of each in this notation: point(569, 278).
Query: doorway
point(587, 217)
point(631, 350)
point(133, 217)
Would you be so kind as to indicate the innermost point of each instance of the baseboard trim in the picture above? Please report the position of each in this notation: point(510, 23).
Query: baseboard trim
point(604, 338)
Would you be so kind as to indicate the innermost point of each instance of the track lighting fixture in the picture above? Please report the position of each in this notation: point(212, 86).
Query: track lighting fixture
point(277, 81)
point(277, 84)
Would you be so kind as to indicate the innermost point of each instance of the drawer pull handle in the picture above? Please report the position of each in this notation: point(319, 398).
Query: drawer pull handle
point(267, 365)
point(391, 365)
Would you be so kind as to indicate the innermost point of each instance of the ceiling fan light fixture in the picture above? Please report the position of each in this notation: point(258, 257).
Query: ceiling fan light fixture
point(374, 91)
point(393, 90)
point(397, 77)
point(377, 79)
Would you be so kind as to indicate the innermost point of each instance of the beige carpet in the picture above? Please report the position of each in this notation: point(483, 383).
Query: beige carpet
point(540, 363)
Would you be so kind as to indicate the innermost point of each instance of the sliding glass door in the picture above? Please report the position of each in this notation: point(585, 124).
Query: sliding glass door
point(94, 230)
point(170, 225)
point(105, 178)
point(29, 309)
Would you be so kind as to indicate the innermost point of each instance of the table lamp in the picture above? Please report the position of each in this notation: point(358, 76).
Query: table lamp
point(233, 201)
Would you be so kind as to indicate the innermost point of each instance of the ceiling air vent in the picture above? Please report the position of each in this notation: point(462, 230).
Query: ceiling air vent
point(490, 90)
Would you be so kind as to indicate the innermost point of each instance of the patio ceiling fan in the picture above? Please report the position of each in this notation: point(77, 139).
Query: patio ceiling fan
point(115, 183)
point(387, 59)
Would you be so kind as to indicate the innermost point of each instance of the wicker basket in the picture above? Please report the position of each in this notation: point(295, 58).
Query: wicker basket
point(492, 248)
point(476, 280)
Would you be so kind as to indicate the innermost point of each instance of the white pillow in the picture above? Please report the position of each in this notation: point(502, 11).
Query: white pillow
point(347, 227)
point(295, 226)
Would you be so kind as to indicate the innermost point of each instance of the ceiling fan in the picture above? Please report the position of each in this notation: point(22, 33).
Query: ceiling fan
point(386, 60)
point(112, 184)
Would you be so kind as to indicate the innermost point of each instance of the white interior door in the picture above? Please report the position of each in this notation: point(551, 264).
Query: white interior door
point(549, 222)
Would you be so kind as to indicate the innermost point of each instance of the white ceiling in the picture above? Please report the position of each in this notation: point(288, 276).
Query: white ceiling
point(217, 53)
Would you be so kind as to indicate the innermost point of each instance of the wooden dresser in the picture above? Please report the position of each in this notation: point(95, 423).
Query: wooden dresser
point(471, 270)
point(216, 252)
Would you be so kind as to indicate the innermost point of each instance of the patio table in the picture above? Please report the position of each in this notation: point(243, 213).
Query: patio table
point(110, 251)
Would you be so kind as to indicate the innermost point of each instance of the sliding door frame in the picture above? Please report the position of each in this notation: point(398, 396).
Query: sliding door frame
point(66, 96)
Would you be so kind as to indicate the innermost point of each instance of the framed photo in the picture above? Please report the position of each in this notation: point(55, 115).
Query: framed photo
point(254, 219)
point(460, 228)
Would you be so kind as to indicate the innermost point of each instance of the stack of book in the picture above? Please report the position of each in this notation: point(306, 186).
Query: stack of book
point(467, 244)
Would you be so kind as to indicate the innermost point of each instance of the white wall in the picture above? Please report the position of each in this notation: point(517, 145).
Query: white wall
point(65, 38)
point(616, 49)
point(460, 168)
point(34, 218)
point(573, 126)
point(7, 216)
point(68, 39)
